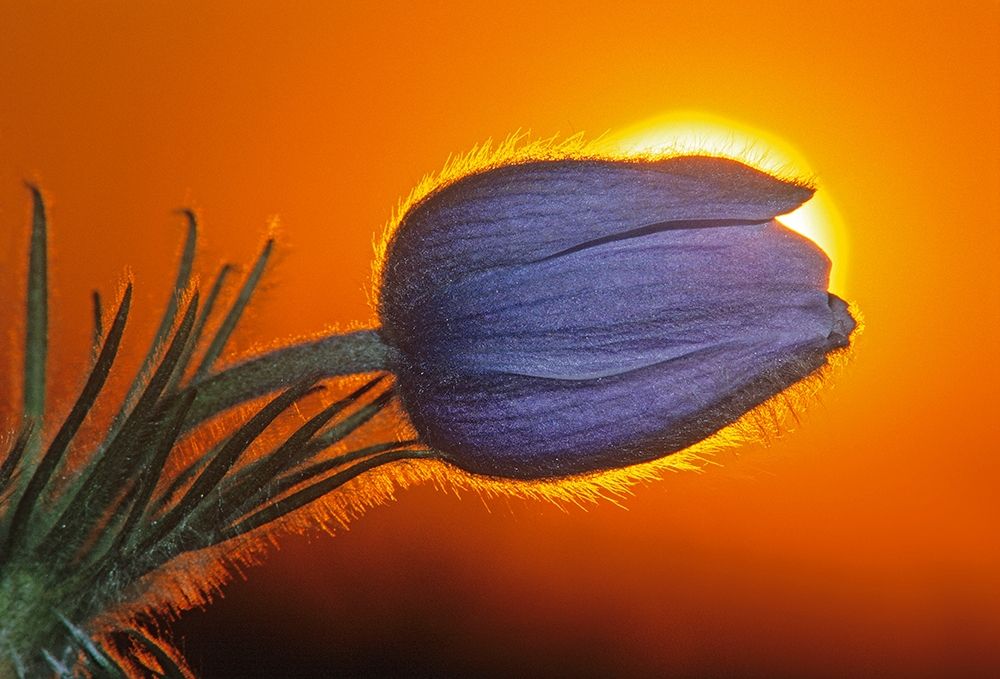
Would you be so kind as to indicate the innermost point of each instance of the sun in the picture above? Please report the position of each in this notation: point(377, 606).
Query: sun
point(697, 132)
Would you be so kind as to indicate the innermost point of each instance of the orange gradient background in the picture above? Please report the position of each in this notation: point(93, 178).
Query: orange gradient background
point(866, 542)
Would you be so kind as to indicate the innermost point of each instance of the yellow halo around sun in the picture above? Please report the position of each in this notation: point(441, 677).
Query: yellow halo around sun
point(697, 132)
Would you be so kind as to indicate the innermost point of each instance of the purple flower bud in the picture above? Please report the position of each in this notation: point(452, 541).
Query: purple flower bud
point(564, 316)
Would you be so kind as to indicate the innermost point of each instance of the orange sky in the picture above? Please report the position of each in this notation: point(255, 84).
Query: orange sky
point(864, 542)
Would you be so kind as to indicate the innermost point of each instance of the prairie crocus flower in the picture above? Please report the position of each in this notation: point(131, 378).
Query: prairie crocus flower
point(557, 317)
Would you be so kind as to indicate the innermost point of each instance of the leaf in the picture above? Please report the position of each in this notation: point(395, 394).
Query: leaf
point(183, 478)
point(199, 326)
point(252, 479)
point(222, 463)
point(14, 455)
point(235, 312)
point(150, 474)
point(36, 326)
point(297, 500)
point(170, 666)
point(56, 666)
point(344, 429)
point(95, 346)
point(116, 464)
point(181, 283)
point(96, 657)
point(50, 461)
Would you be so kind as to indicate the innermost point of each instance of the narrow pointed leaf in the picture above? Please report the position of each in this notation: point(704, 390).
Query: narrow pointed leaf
point(285, 506)
point(183, 280)
point(56, 666)
point(344, 429)
point(30, 498)
point(237, 443)
point(239, 495)
point(36, 325)
point(199, 327)
point(235, 312)
point(96, 657)
point(14, 456)
point(102, 482)
point(95, 346)
point(182, 479)
point(170, 668)
point(300, 476)
point(294, 450)
point(151, 471)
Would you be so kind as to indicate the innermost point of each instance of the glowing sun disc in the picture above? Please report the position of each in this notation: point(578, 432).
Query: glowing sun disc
point(696, 132)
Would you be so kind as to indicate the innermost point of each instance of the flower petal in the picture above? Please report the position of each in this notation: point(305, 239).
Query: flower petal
point(560, 317)
point(627, 304)
point(521, 213)
point(531, 427)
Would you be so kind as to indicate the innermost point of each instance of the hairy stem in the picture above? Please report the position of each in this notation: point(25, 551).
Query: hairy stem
point(330, 356)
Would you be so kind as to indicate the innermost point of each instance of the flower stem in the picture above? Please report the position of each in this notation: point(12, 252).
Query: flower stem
point(330, 356)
